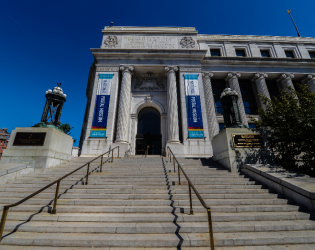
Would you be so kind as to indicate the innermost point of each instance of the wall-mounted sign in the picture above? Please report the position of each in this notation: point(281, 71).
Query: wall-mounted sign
point(99, 123)
point(195, 124)
point(29, 139)
point(248, 140)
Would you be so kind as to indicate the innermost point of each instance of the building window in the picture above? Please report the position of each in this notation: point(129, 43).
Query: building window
point(272, 88)
point(240, 52)
point(265, 53)
point(312, 54)
point(221, 126)
point(218, 107)
point(215, 52)
point(247, 107)
point(251, 125)
point(248, 96)
point(289, 54)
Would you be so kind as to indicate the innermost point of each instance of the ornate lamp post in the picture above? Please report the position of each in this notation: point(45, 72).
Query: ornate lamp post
point(231, 113)
point(52, 111)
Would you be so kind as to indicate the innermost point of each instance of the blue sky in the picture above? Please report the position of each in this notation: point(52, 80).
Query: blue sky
point(45, 42)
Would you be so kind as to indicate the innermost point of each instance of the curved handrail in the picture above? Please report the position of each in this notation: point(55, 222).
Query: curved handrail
point(6, 207)
point(197, 194)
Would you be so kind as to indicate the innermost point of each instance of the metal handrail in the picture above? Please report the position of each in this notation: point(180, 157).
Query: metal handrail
point(191, 186)
point(54, 211)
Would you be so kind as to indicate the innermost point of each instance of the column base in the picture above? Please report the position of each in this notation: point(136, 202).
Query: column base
point(121, 141)
point(176, 147)
point(173, 141)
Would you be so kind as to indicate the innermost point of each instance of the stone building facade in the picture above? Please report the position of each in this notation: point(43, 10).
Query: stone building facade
point(4, 139)
point(147, 72)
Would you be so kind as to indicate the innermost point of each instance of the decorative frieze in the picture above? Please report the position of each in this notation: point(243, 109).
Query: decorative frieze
point(190, 69)
point(149, 82)
point(107, 69)
point(187, 42)
point(110, 42)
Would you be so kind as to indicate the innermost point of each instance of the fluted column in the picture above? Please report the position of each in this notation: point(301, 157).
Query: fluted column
point(124, 105)
point(261, 86)
point(286, 80)
point(310, 80)
point(210, 105)
point(172, 107)
point(232, 80)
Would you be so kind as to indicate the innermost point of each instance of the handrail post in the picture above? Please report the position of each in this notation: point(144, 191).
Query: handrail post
point(210, 229)
point(190, 199)
point(118, 152)
point(178, 175)
point(54, 211)
point(112, 155)
point(101, 163)
point(3, 219)
point(170, 157)
point(87, 174)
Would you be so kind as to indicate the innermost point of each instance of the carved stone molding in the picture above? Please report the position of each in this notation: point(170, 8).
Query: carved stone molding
point(187, 29)
point(190, 69)
point(107, 69)
point(187, 42)
point(170, 70)
point(207, 74)
point(308, 78)
point(148, 82)
point(232, 75)
point(110, 42)
point(269, 38)
point(114, 28)
point(127, 69)
point(259, 75)
point(285, 76)
point(148, 98)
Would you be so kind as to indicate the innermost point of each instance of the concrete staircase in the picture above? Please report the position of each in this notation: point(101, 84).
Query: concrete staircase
point(136, 203)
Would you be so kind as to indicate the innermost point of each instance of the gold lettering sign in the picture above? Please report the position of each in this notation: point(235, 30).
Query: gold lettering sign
point(248, 140)
point(29, 139)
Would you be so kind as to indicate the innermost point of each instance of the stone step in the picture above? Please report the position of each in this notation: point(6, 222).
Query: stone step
point(158, 240)
point(157, 227)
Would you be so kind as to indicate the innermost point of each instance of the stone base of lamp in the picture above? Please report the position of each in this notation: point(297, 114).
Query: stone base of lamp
point(232, 157)
point(56, 149)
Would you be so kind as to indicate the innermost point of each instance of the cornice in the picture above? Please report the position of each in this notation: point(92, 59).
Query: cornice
point(153, 30)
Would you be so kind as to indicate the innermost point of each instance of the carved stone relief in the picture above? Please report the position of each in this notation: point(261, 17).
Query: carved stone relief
point(187, 42)
point(149, 82)
point(111, 42)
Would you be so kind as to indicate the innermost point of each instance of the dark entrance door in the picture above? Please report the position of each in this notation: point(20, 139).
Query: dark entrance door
point(149, 132)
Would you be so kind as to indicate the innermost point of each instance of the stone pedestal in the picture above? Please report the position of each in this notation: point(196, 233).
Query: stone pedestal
point(57, 148)
point(177, 149)
point(232, 157)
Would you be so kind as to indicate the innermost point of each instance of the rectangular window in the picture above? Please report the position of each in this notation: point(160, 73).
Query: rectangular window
point(221, 126)
point(218, 107)
point(247, 107)
point(312, 54)
point(289, 54)
point(215, 52)
point(240, 52)
point(265, 53)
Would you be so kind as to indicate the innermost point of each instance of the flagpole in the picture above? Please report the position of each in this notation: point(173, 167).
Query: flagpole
point(289, 11)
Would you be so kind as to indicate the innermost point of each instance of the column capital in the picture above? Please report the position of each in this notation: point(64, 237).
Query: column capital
point(285, 76)
point(207, 74)
point(308, 78)
point(259, 76)
point(170, 69)
point(232, 75)
point(128, 69)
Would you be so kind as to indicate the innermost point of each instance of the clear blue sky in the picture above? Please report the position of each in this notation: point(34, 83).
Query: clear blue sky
point(45, 42)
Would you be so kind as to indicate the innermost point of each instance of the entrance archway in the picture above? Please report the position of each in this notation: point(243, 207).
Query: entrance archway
point(149, 132)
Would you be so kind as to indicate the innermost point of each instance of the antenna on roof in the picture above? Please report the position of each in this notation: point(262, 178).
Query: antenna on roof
point(111, 23)
point(289, 11)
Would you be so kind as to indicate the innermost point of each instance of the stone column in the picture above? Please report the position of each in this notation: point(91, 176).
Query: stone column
point(210, 105)
point(286, 80)
point(310, 80)
point(124, 105)
point(172, 112)
point(133, 133)
point(261, 86)
point(232, 79)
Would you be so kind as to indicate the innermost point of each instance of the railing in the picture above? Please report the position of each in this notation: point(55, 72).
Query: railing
point(191, 186)
point(54, 210)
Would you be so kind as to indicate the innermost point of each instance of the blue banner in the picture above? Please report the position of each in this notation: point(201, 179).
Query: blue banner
point(100, 116)
point(194, 116)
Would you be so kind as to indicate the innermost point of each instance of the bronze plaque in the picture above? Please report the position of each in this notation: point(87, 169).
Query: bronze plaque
point(29, 139)
point(248, 140)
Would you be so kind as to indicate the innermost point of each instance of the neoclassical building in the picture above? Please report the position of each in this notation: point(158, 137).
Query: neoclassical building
point(150, 87)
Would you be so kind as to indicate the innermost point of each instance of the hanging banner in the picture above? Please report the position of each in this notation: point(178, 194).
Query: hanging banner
point(195, 125)
point(99, 123)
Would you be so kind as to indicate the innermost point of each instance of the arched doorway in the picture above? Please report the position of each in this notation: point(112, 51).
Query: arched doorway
point(149, 132)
